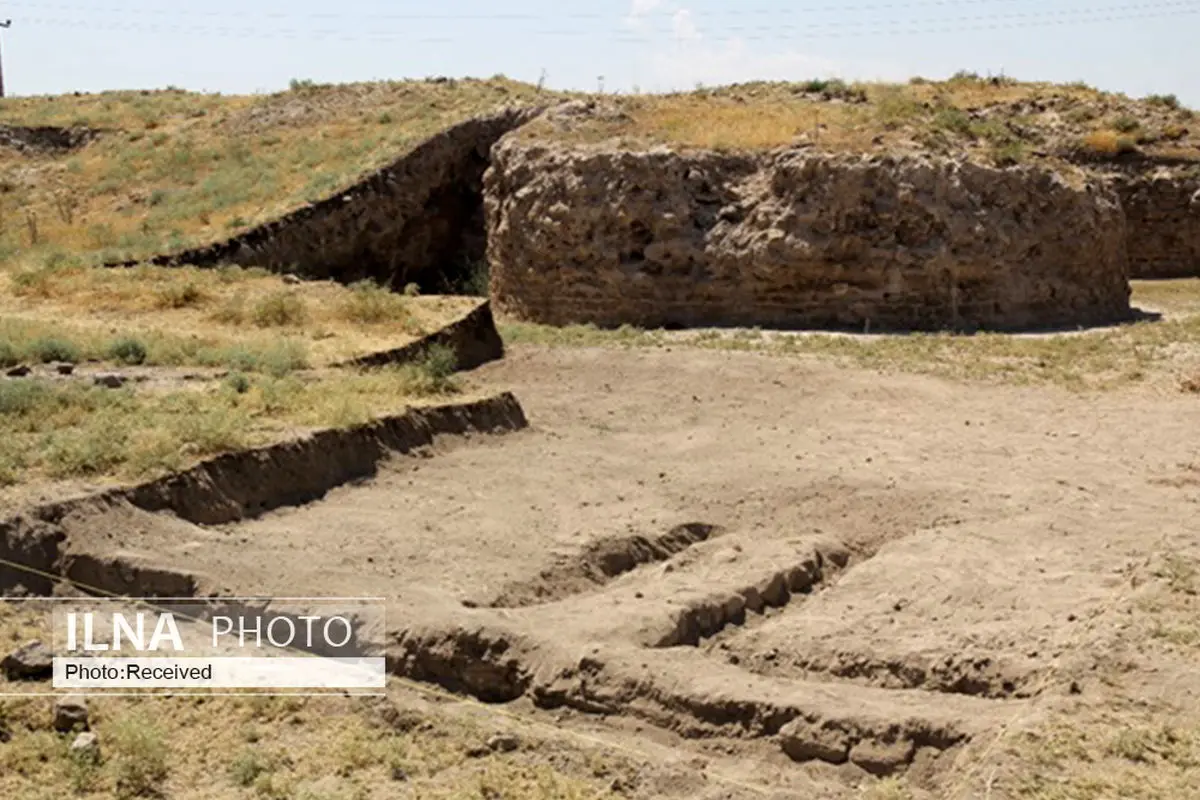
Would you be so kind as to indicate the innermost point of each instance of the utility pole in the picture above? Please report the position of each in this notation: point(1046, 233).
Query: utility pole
point(6, 24)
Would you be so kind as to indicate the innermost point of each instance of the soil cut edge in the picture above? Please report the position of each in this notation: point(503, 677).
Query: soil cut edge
point(235, 486)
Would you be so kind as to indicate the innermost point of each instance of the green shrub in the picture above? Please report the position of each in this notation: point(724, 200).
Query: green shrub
point(284, 358)
point(11, 467)
point(432, 373)
point(1167, 100)
point(21, 397)
point(238, 382)
point(91, 450)
point(1007, 154)
point(368, 303)
point(127, 350)
point(277, 360)
point(279, 309)
point(953, 120)
point(1126, 124)
point(8, 354)
point(140, 757)
point(50, 348)
point(246, 768)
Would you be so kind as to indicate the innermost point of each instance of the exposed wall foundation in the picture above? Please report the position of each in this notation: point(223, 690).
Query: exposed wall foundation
point(798, 239)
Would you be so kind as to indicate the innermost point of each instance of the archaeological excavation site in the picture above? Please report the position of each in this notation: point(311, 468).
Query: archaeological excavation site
point(775, 440)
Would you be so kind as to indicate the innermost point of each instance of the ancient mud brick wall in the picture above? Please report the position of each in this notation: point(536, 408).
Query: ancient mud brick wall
point(416, 216)
point(1163, 218)
point(796, 239)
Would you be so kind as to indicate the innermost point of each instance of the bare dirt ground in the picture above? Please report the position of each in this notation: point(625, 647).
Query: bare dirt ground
point(808, 577)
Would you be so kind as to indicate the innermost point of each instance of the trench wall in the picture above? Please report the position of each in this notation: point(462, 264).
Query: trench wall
point(1163, 218)
point(798, 239)
point(413, 221)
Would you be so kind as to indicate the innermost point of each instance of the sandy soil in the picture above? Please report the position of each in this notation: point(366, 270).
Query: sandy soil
point(879, 576)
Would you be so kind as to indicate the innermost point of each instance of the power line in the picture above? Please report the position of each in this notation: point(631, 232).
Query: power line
point(501, 16)
point(781, 31)
point(571, 15)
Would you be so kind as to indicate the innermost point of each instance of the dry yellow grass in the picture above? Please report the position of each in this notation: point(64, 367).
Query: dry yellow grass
point(63, 430)
point(283, 748)
point(1003, 120)
point(176, 168)
point(1108, 143)
point(182, 314)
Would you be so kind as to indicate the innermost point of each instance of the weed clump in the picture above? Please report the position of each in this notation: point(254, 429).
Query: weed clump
point(140, 755)
point(176, 295)
point(278, 310)
point(237, 382)
point(1108, 143)
point(51, 348)
point(433, 373)
point(371, 304)
point(23, 397)
point(1126, 124)
point(8, 354)
point(127, 350)
point(1165, 100)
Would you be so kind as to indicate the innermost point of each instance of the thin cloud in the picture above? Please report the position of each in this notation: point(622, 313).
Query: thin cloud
point(686, 54)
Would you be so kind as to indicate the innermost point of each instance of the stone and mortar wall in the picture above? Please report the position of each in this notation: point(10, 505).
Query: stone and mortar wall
point(415, 217)
point(795, 239)
point(1163, 219)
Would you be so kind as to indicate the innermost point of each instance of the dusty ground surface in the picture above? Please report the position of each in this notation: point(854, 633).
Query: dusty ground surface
point(804, 575)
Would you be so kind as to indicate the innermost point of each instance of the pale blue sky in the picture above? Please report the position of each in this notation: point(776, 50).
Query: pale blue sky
point(248, 45)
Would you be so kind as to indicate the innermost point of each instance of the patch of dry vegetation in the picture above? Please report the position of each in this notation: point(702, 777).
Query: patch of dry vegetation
point(997, 120)
point(72, 429)
point(175, 168)
point(273, 748)
point(188, 316)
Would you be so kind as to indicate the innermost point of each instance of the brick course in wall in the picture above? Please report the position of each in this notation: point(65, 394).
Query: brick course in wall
point(798, 239)
point(1163, 220)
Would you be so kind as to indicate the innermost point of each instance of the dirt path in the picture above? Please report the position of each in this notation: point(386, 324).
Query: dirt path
point(811, 575)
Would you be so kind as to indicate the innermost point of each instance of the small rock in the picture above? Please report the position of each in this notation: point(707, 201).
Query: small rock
point(477, 751)
point(110, 381)
point(291, 279)
point(70, 713)
point(86, 747)
point(18, 371)
point(30, 662)
point(503, 743)
point(399, 773)
point(64, 369)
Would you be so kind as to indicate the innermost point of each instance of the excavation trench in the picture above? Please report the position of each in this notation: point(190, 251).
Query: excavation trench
point(72, 540)
point(419, 220)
